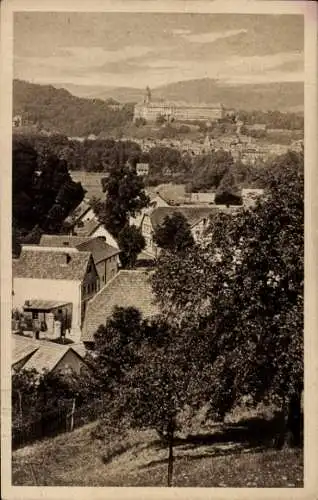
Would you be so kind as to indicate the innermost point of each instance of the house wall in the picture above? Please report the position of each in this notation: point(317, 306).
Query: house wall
point(70, 361)
point(101, 231)
point(44, 289)
point(107, 269)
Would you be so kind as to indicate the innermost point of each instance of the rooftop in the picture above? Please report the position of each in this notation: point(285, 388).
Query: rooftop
point(46, 354)
point(126, 289)
point(51, 263)
point(97, 246)
point(22, 347)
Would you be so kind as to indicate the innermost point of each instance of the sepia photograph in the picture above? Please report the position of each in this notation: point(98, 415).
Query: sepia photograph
point(157, 215)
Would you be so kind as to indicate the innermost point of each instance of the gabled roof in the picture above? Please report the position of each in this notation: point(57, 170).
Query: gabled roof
point(22, 347)
point(126, 289)
point(51, 263)
point(99, 249)
point(97, 246)
point(46, 354)
point(193, 214)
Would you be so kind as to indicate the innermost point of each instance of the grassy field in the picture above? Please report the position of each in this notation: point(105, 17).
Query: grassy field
point(216, 458)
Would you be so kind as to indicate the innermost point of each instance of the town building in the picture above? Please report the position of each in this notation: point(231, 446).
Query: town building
point(129, 288)
point(92, 229)
point(106, 257)
point(64, 276)
point(150, 110)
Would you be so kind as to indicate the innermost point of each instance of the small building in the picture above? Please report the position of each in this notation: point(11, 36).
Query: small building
point(61, 275)
point(28, 354)
point(127, 289)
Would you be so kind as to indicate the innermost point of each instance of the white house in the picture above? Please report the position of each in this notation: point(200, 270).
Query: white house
point(65, 276)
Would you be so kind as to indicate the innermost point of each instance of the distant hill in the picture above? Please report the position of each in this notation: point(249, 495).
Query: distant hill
point(59, 110)
point(285, 96)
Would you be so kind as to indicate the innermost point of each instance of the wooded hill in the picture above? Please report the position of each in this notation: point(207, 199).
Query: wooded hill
point(59, 110)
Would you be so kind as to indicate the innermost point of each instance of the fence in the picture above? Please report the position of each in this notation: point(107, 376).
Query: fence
point(55, 422)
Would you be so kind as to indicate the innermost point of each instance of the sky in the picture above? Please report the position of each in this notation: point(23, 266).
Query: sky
point(140, 49)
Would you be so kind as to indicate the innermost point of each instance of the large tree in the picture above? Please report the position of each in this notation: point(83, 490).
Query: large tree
point(241, 297)
point(174, 234)
point(147, 377)
point(125, 197)
point(131, 242)
point(43, 192)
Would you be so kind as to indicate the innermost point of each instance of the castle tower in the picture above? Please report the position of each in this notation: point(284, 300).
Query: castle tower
point(147, 99)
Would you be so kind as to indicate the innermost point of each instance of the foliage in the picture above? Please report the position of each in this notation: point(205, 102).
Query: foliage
point(57, 109)
point(210, 169)
point(35, 395)
point(273, 119)
point(125, 197)
point(146, 373)
point(43, 191)
point(174, 233)
point(241, 297)
point(227, 192)
point(131, 242)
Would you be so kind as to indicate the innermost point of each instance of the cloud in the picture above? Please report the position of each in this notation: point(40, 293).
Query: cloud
point(213, 36)
point(181, 31)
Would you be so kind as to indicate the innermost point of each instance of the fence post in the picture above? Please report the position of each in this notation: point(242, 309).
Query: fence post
point(72, 416)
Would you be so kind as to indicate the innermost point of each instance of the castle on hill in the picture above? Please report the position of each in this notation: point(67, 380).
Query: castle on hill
point(150, 110)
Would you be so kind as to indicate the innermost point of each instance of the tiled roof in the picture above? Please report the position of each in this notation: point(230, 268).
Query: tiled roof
point(193, 214)
point(99, 249)
point(46, 354)
point(126, 289)
point(51, 263)
point(61, 240)
point(97, 246)
point(22, 347)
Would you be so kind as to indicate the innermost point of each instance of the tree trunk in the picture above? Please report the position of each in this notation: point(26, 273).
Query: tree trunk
point(20, 406)
point(170, 457)
point(282, 430)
